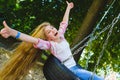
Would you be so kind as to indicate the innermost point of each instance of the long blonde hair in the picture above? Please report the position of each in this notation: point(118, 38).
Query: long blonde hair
point(23, 58)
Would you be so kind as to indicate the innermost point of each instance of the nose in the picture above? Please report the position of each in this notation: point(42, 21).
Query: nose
point(53, 30)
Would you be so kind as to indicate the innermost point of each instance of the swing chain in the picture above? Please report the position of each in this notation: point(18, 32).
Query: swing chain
point(79, 49)
point(105, 43)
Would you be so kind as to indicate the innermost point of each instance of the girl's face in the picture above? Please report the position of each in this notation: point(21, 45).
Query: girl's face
point(51, 33)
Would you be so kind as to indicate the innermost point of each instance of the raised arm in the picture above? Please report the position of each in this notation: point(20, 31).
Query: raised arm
point(69, 7)
point(7, 32)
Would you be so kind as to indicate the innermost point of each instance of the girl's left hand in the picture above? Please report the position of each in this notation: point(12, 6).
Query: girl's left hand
point(70, 5)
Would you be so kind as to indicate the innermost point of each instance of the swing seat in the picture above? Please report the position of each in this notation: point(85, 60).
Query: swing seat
point(54, 70)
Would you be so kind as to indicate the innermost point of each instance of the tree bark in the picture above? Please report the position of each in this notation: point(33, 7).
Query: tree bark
point(89, 22)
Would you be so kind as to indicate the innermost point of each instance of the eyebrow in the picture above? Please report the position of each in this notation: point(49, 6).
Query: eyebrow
point(47, 30)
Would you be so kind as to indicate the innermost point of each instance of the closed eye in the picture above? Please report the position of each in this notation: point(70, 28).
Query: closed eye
point(48, 32)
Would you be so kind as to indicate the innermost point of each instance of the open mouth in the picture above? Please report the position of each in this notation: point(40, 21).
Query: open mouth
point(56, 33)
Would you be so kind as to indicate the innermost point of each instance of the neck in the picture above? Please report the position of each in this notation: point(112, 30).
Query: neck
point(58, 40)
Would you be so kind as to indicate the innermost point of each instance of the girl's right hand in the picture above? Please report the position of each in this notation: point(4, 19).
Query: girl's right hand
point(6, 31)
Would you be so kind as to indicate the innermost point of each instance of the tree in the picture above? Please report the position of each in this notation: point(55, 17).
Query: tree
point(89, 21)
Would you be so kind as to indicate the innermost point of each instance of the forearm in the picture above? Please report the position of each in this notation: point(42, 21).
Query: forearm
point(23, 37)
point(66, 15)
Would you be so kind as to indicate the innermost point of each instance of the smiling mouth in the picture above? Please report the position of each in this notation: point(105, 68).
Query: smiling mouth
point(56, 33)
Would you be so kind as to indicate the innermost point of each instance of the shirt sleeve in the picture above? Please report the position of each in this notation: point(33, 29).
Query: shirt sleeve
point(63, 26)
point(42, 44)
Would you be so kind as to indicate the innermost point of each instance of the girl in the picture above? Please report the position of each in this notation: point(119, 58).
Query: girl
point(46, 37)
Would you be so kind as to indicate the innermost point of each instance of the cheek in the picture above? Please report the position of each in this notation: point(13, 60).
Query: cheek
point(48, 36)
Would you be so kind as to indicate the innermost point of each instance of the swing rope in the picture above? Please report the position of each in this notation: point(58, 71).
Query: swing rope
point(115, 20)
point(89, 36)
point(97, 27)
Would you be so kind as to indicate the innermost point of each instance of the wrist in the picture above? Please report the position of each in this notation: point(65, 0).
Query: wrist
point(18, 35)
point(68, 7)
point(13, 33)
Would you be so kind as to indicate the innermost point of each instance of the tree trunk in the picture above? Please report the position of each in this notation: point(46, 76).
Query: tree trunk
point(89, 22)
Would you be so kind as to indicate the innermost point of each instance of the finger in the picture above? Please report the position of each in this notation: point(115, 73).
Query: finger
point(5, 24)
point(67, 2)
point(72, 5)
point(2, 30)
point(5, 35)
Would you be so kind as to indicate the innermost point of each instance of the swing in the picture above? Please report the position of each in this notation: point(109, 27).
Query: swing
point(54, 69)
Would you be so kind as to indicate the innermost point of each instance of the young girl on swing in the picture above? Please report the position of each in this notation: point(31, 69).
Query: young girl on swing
point(49, 38)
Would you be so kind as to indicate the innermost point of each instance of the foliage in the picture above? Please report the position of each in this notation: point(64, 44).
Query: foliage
point(110, 59)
